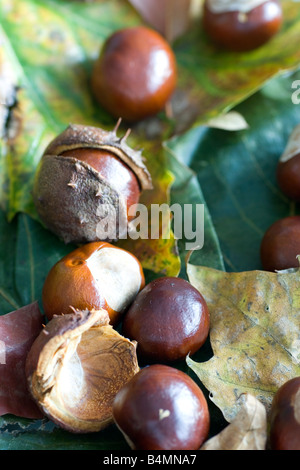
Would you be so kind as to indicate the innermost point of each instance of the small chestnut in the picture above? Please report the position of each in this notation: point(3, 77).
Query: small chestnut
point(280, 245)
point(135, 74)
point(169, 319)
point(162, 408)
point(288, 168)
point(242, 25)
point(285, 417)
point(93, 276)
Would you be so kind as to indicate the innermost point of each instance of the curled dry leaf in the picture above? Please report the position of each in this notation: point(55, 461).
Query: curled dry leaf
point(248, 431)
point(254, 333)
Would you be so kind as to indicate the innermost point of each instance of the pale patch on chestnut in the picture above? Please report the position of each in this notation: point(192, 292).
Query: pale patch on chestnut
point(163, 413)
point(118, 275)
point(296, 405)
point(94, 276)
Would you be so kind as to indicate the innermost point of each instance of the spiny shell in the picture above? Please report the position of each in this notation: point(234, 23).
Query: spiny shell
point(72, 198)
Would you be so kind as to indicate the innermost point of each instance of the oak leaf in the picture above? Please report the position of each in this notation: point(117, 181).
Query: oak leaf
point(255, 320)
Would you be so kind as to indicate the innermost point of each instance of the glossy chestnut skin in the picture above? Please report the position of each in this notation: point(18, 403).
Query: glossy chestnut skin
point(285, 417)
point(169, 319)
point(135, 74)
point(75, 283)
point(162, 408)
point(288, 177)
point(280, 245)
point(115, 172)
point(241, 32)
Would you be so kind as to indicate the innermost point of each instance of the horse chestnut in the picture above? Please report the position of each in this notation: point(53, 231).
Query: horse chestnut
point(85, 183)
point(93, 276)
point(280, 245)
point(135, 74)
point(288, 169)
point(285, 417)
point(242, 25)
point(169, 319)
point(162, 408)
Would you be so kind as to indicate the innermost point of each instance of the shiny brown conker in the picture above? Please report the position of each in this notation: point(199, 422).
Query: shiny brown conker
point(135, 74)
point(169, 319)
point(238, 29)
point(288, 177)
point(162, 408)
point(280, 245)
point(285, 417)
point(94, 276)
point(288, 168)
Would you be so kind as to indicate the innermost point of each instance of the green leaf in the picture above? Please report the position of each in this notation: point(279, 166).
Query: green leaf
point(47, 51)
point(237, 171)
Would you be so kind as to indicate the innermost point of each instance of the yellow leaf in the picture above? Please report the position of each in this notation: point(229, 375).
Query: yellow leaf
point(255, 319)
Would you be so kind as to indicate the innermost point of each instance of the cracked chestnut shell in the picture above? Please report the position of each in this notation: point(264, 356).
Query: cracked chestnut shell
point(94, 276)
point(242, 29)
point(85, 183)
point(135, 74)
point(162, 408)
point(285, 417)
point(280, 245)
point(169, 319)
point(76, 366)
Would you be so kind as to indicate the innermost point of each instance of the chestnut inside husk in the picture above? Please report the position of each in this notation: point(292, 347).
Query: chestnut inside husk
point(75, 368)
point(72, 198)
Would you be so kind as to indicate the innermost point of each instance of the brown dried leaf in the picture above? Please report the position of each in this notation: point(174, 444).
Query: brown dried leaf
point(254, 333)
point(248, 431)
point(170, 17)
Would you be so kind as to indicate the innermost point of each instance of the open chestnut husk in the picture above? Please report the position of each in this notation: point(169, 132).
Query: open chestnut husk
point(94, 276)
point(76, 366)
point(85, 183)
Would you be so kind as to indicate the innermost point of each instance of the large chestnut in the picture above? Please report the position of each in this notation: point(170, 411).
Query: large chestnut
point(135, 74)
point(76, 366)
point(242, 25)
point(169, 319)
point(285, 417)
point(162, 408)
point(86, 182)
point(288, 169)
point(93, 276)
point(280, 245)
